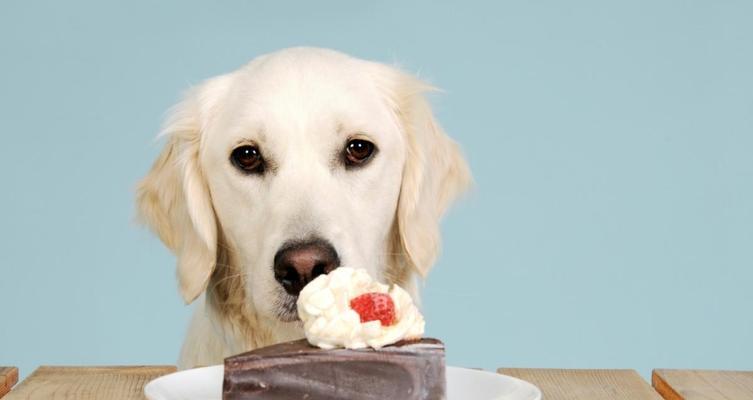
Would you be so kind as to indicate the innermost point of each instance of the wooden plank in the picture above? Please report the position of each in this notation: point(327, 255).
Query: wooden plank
point(8, 378)
point(63, 383)
point(586, 384)
point(677, 384)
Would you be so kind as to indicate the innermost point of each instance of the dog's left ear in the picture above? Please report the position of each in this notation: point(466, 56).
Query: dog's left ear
point(435, 173)
point(173, 198)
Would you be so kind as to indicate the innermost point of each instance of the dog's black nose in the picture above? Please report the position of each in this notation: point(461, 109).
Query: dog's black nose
point(298, 263)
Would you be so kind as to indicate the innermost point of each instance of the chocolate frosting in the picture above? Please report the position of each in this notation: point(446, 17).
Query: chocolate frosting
point(412, 370)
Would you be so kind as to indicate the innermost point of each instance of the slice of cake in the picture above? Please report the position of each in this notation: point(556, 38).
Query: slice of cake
point(363, 341)
point(408, 370)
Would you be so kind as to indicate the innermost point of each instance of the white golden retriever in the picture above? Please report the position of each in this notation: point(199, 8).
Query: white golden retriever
point(299, 162)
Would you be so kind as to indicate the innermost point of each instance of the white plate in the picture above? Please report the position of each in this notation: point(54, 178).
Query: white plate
point(462, 384)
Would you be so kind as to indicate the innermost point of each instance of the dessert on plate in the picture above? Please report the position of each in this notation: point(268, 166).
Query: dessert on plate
point(363, 341)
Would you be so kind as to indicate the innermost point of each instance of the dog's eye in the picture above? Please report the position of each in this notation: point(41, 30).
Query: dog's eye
point(358, 152)
point(248, 159)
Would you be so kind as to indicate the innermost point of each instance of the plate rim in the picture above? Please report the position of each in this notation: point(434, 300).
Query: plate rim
point(149, 387)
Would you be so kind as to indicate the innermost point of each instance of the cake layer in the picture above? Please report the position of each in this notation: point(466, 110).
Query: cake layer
point(412, 370)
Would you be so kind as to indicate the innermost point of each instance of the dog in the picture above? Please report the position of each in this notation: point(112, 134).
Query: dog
point(301, 161)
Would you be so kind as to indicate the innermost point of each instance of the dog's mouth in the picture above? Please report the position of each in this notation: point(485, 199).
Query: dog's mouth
point(287, 308)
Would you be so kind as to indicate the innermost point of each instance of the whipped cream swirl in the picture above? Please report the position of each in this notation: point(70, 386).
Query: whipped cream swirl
point(329, 322)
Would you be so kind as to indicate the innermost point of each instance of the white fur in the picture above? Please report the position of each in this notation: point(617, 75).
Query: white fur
point(300, 107)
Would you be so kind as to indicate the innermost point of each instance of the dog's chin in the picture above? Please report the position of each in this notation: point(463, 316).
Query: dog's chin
point(287, 308)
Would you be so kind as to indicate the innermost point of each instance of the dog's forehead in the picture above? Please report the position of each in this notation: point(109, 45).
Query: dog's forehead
point(300, 100)
point(306, 68)
point(310, 82)
point(307, 87)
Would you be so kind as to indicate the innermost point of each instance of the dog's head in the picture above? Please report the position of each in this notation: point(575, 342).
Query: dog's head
point(301, 161)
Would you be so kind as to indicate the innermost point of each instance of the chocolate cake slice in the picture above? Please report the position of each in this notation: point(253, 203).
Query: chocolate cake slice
point(408, 370)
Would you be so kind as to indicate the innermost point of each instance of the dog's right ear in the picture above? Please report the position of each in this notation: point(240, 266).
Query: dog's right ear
point(174, 200)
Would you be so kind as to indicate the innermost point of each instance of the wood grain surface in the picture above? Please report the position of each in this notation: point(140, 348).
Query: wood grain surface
point(63, 383)
point(586, 384)
point(117, 383)
point(674, 384)
point(8, 378)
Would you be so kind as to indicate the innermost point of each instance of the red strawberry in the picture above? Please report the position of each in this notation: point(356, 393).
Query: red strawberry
point(374, 307)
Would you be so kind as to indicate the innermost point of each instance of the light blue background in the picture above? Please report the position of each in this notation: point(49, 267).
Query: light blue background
point(611, 142)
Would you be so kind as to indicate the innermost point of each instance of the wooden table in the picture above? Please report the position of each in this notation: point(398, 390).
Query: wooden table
point(675, 384)
point(586, 384)
point(62, 383)
point(8, 378)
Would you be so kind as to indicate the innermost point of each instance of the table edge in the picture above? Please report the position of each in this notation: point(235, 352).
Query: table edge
point(12, 379)
point(661, 386)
